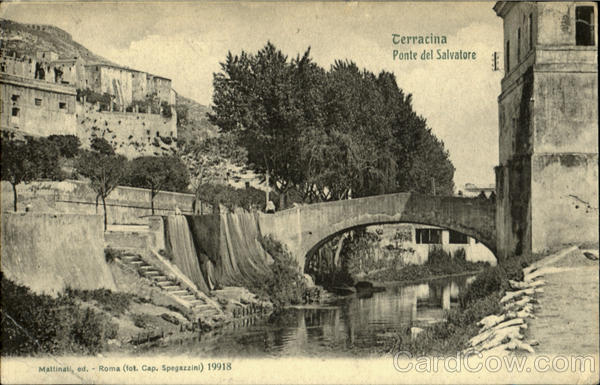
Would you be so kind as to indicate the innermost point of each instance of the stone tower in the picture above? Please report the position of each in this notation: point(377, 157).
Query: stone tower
point(547, 179)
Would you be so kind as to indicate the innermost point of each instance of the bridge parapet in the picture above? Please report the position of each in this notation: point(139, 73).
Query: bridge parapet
point(305, 228)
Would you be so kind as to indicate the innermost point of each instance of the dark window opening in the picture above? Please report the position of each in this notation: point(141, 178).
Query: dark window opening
point(456, 237)
point(530, 31)
point(62, 105)
point(15, 111)
point(428, 236)
point(584, 25)
point(15, 98)
point(38, 102)
point(507, 64)
point(518, 45)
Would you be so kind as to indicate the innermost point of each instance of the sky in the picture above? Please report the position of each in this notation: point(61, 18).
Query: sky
point(186, 41)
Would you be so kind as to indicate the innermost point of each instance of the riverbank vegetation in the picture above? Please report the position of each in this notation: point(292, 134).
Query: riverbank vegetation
point(481, 299)
point(439, 263)
point(284, 284)
point(81, 321)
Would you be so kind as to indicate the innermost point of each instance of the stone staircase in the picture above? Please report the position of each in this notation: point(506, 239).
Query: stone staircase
point(183, 295)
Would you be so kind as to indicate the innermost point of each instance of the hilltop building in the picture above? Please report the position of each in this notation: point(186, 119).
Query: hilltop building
point(547, 179)
point(45, 95)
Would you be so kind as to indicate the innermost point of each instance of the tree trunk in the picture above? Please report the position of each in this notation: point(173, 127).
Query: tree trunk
point(268, 177)
point(14, 186)
point(97, 196)
point(105, 215)
point(336, 258)
point(152, 194)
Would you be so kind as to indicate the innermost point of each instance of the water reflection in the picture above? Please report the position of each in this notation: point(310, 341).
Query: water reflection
point(350, 325)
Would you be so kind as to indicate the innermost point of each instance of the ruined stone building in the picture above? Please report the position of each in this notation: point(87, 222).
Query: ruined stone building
point(547, 179)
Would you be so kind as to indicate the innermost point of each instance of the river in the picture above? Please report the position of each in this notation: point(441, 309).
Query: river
point(348, 327)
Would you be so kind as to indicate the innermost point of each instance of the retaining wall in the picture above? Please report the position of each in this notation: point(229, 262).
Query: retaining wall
point(125, 205)
point(47, 252)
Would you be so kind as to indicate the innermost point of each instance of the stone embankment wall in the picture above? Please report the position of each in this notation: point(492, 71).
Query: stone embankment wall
point(48, 252)
point(131, 134)
point(125, 205)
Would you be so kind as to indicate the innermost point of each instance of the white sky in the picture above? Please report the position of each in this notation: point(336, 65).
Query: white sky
point(185, 41)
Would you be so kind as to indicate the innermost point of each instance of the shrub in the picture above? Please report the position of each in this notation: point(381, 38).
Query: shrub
point(114, 303)
point(102, 146)
point(33, 323)
point(67, 145)
point(111, 254)
point(490, 280)
point(166, 254)
point(284, 284)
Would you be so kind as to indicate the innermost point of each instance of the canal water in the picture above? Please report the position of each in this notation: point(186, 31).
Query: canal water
point(349, 326)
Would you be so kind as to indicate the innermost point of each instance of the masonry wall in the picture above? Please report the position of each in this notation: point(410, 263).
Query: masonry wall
point(131, 134)
point(565, 161)
point(125, 205)
point(55, 113)
point(49, 252)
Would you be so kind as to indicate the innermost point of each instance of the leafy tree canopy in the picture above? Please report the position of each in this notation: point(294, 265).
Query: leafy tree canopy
point(328, 134)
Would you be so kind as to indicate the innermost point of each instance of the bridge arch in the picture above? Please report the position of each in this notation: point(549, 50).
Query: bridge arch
point(304, 229)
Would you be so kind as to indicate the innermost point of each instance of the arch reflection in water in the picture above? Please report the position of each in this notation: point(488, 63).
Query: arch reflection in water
point(352, 324)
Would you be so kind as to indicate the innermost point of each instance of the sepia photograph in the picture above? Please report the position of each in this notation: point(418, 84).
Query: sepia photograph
point(338, 192)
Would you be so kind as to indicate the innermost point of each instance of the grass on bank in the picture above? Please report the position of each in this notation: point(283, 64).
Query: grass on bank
point(481, 299)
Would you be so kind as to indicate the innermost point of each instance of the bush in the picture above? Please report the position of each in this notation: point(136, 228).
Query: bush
point(284, 284)
point(102, 146)
point(231, 197)
point(67, 145)
point(492, 279)
point(114, 303)
point(111, 254)
point(33, 323)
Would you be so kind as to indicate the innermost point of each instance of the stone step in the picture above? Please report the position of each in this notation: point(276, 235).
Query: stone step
point(178, 292)
point(170, 288)
point(164, 283)
point(137, 262)
point(147, 267)
point(188, 297)
point(204, 307)
point(150, 273)
point(130, 257)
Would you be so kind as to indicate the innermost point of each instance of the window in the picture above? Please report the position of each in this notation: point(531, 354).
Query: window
point(518, 45)
point(15, 98)
point(62, 105)
point(507, 64)
point(428, 236)
point(456, 237)
point(15, 111)
point(530, 31)
point(38, 102)
point(584, 25)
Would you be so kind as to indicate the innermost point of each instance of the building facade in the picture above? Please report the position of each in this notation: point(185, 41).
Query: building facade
point(547, 177)
point(37, 107)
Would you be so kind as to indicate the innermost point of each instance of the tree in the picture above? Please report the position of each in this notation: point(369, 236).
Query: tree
point(256, 99)
point(102, 146)
point(158, 173)
point(28, 160)
point(68, 145)
point(104, 171)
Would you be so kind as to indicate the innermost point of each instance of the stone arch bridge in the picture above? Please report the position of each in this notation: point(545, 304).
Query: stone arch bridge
point(306, 228)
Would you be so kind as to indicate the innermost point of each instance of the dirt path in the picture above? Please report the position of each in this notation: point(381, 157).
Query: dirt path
point(567, 320)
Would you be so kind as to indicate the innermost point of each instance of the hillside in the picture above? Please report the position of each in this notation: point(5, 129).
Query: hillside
point(24, 39)
point(192, 122)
